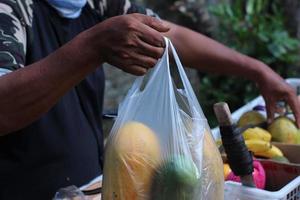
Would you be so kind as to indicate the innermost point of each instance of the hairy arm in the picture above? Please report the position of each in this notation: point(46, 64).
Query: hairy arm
point(207, 55)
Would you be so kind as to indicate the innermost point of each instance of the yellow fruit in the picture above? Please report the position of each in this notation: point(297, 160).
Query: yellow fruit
point(257, 134)
point(212, 173)
point(272, 152)
point(280, 159)
point(212, 170)
point(284, 130)
point(227, 170)
point(257, 145)
point(130, 162)
point(251, 118)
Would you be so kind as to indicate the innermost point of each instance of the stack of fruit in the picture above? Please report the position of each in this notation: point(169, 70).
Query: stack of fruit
point(258, 139)
point(137, 168)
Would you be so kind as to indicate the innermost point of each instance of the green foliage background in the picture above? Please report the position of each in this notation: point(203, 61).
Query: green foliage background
point(253, 27)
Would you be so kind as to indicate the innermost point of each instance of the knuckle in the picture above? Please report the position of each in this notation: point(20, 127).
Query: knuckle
point(141, 71)
point(152, 21)
point(150, 62)
point(140, 17)
point(159, 53)
point(124, 55)
point(131, 43)
point(161, 41)
point(131, 25)
point(158, 40)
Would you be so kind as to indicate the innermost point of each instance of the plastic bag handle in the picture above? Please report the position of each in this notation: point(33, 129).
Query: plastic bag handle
point(168, 44)
point(139, 81)
point(135, 89)
point(185, 81)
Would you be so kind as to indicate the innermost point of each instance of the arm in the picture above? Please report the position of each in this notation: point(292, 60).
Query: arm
point(29, 92)
point(207, 55)
point(132, 42)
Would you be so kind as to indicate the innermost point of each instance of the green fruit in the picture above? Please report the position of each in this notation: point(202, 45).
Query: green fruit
point(284, 130)
point(251, 118)
point(280, 159)
point(175, 179)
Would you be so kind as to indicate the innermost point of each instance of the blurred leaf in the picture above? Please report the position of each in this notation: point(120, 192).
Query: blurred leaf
point(250, 7)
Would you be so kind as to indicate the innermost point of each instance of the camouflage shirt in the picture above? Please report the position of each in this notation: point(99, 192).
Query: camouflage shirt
point(65, 146)
point(16, 34)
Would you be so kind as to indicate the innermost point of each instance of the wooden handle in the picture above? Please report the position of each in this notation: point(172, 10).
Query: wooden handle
point(234, 145)
point(223, 114)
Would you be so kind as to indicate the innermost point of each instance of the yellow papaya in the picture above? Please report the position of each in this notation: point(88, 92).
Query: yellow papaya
point(131, 158)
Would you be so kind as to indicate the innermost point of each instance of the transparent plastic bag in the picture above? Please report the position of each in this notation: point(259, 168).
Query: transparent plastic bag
point(69, 193)
point(156, 147)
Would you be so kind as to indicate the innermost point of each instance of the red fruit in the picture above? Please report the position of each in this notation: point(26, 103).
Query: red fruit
point(259, 175)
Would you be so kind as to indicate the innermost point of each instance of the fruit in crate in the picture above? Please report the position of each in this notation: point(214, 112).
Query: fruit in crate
point(176, 179)
point(257, 134)
point(132, 156)
point(280, 159)
point(263, 148)
point(284, 130)
point(258, 145)
point(272, 152)
point(251, 118)
point(258, 140)
point(259, 175)
point(227, 170)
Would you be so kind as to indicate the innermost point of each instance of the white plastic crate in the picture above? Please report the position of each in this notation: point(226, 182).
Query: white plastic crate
point(235, 191)
point(294, 82)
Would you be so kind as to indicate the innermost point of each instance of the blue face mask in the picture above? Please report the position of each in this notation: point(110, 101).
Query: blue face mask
point(68, 8)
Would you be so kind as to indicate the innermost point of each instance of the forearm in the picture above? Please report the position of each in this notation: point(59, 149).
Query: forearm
point(207, 55)
point(27, 93)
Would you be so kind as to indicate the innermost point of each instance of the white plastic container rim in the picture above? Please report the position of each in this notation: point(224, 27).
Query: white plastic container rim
point(235, 191)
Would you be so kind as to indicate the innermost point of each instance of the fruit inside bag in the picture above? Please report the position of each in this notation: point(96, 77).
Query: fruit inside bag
point(160, 146)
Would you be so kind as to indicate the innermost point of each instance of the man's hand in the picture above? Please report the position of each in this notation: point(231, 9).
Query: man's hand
point(273, 88)
point(132, 42)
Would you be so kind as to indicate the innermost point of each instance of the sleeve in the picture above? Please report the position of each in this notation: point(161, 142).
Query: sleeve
point(12, 40)
point(110, 8)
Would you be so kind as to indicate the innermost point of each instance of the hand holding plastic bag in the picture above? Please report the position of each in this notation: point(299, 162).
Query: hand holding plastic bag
point(156, 147)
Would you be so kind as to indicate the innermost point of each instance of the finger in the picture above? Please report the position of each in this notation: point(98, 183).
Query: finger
point(149, 50)
point(142, 60)
point(134, 58)
point(295, 106)
point(126, 66)
point(151, 36)
point(155, 23)
point(271, 107)
point(135, 70)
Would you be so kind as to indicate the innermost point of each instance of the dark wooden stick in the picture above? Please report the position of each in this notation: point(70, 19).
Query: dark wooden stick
point(239, 158)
